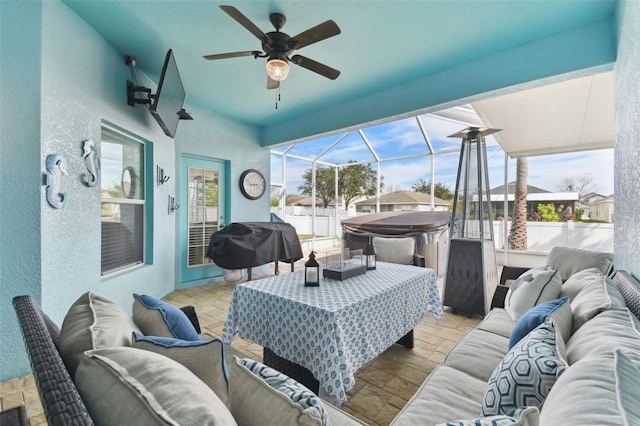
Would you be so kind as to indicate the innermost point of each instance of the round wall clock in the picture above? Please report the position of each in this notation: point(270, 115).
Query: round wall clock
point(252, 184)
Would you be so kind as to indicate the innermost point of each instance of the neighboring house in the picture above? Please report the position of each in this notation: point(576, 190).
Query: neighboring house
point(561, 200)
point(602, 209)
point(586, 201)
point(403, 201)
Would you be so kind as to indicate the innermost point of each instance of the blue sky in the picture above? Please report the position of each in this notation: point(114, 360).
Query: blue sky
point(404, 137)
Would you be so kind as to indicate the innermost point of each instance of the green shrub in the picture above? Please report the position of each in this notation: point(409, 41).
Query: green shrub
point(548, 212)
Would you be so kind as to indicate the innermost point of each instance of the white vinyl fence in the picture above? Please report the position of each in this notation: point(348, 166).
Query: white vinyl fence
point(541, 236)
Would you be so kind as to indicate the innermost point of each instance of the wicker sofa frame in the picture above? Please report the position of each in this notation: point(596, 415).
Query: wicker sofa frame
point(60, 399)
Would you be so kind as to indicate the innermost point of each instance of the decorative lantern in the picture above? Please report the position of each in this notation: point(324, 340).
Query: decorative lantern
point(370, 256)
point(312, 271)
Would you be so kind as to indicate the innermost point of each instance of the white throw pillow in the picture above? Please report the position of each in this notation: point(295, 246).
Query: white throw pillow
point(530, 289)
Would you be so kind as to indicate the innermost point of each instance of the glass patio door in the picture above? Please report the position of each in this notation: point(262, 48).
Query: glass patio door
point(202, 213)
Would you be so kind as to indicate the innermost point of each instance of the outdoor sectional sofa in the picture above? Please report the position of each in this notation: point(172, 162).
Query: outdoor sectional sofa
point(582, 354)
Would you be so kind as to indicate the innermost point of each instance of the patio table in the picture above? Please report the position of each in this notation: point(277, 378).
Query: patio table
point(333, 329)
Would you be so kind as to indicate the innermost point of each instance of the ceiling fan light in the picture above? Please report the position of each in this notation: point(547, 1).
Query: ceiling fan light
point(277, 69)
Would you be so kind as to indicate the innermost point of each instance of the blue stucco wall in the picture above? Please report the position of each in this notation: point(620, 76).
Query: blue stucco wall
point(214, 137)
point(20, 257)
point(61, 83)
point(627, 138)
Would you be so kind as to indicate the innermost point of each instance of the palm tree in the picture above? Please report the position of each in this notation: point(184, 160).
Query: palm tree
point(518, 234)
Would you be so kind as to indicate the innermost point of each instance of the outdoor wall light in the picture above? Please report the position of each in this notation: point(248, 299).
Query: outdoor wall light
point(312, 271)
point(370, 256)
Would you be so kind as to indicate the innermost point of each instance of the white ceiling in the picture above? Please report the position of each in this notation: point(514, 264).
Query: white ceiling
point(573, 115)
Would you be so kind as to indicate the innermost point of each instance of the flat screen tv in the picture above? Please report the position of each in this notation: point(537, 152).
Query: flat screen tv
point(166, 105)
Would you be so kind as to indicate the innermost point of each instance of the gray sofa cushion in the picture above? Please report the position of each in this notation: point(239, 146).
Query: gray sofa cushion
point(204, 358)
point(394, 250)
point(598, 390)
point(93, 322)
point(615, 328)
point(445, 395)
point(477, 353)
point(497, 321)
point(567, 261)
point(122, 386)
point(156, 317)
point(521, 416)
point(597, 294)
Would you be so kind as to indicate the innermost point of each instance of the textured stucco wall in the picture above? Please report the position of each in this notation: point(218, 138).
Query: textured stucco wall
point(20, 37)
point(214, 137)
point(60, 81)
point(627, 139)
point(84, 80)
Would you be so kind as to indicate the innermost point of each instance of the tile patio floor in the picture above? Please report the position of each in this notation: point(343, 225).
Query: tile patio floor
point(383, 386)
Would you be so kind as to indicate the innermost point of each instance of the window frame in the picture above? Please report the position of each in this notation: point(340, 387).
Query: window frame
point(145, 200)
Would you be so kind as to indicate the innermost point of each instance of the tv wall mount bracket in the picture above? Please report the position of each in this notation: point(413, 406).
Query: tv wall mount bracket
point(132, 89)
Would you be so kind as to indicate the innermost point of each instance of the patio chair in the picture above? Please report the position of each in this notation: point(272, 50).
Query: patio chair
point(397, 250)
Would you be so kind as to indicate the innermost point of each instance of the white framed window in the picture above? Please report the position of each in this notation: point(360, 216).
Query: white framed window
point(123, 200)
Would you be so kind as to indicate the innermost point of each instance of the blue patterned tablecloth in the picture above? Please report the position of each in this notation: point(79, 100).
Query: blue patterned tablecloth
point(333, 329)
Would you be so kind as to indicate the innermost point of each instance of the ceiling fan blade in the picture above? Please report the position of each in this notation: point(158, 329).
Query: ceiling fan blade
point(312, 35)
point(272, 84)
point(245, 22)
point(316, 67)
point(231, 55)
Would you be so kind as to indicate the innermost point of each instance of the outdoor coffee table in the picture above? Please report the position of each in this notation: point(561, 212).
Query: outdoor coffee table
point(333, 329)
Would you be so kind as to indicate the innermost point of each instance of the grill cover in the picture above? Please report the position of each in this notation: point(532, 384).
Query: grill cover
point(397, 223)
point(249, 244)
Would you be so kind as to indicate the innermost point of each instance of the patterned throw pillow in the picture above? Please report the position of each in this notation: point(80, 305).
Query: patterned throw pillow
point(256, 390)
point(521, 416)
point(559, 310)
point(532, 288)
point(527, 373)
point(158, 318)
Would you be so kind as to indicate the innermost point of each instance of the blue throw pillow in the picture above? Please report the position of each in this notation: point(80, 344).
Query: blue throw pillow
point(533, 318)
point(158, 318)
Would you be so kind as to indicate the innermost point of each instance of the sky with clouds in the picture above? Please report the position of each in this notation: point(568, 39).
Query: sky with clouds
point(404, 138)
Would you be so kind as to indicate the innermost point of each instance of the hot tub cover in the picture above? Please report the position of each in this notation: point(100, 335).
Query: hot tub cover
point(248, 244)
point(397, 223)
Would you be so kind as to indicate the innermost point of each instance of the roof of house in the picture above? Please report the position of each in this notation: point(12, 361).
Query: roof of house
point(511, 188)
point(404, 197)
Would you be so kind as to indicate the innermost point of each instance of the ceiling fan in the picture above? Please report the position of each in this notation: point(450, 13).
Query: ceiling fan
point(278, 46)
